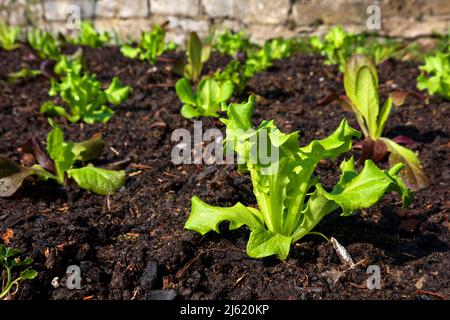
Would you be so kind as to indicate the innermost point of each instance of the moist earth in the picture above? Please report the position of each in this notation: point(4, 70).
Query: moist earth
point(132, 244)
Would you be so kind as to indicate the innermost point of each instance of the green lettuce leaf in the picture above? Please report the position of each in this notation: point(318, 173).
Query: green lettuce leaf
point(97, 180)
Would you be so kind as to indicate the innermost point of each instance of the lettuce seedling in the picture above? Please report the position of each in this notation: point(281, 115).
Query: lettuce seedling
point(197, 54)
point(9, 36)
point(291, 202)
point(435, 76)
point(206, 101)
point(88, 36)
point(361, 87)
point(70, 65)
point(58, 164)
point(234, 72)
point(257, 60)
point(84, 97)
point(23, 73)
point(152, 46)
point(10, 262)
point(280, 48)
point(44, 43)
point(379, 50)
point(231, 44)
point(337, 46)
point(261, 59)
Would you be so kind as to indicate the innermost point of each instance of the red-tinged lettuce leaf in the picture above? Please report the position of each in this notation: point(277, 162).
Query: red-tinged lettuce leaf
point(403, 140)
point(11, 177)
point(399, 97)
point(34, 147)
point(346, 104)
point(412, 174)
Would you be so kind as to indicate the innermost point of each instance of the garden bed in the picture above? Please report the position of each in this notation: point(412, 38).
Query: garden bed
point(118, 240)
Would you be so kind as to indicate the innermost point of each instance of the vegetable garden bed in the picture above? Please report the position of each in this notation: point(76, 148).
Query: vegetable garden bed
point(119, 240)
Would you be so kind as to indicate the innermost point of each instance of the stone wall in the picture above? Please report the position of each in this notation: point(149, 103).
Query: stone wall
point(261, 18)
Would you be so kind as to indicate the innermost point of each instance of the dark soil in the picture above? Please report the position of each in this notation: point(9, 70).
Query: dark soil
point(118, 240)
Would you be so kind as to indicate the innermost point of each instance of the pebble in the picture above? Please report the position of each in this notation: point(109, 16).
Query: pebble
point(165, 294)
point(150, 274)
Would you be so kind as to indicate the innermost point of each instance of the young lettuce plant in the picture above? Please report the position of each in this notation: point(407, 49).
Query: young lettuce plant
point(58, 164)
point(206, 101)
point(44, 43)
point(361, 87)
point(337, 46)
point(23, 73)
point(234, 72)
point(9, 36)
point(10, 262)
point(197, 54)
point(84, 97)
point(152, 45)
point(231, 44)
point(435, 76)
point(90, 37)
point(291, 201)
point(259, 60)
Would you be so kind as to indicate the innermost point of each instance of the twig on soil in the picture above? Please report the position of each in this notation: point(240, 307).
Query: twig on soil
point(434, 294)
point(239, 280)
point(140, 166)
point(108, 204)
point(136, 173)
point(114, 150)
point(342, 253)
point(359, 286)
point(171, 175)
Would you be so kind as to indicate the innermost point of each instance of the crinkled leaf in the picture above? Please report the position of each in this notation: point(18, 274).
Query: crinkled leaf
point(204, 218)
point(263, 243)
point(366, 189)
point(98, 180)
point(317, 208)
point(13, 77)
point(49, 109)
point(239, 116)
point(102, 115)
point(116, 93)
point(338, 142)
point(129, 51)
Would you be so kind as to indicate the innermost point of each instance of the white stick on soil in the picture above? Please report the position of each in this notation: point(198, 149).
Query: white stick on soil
point(342, 253)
